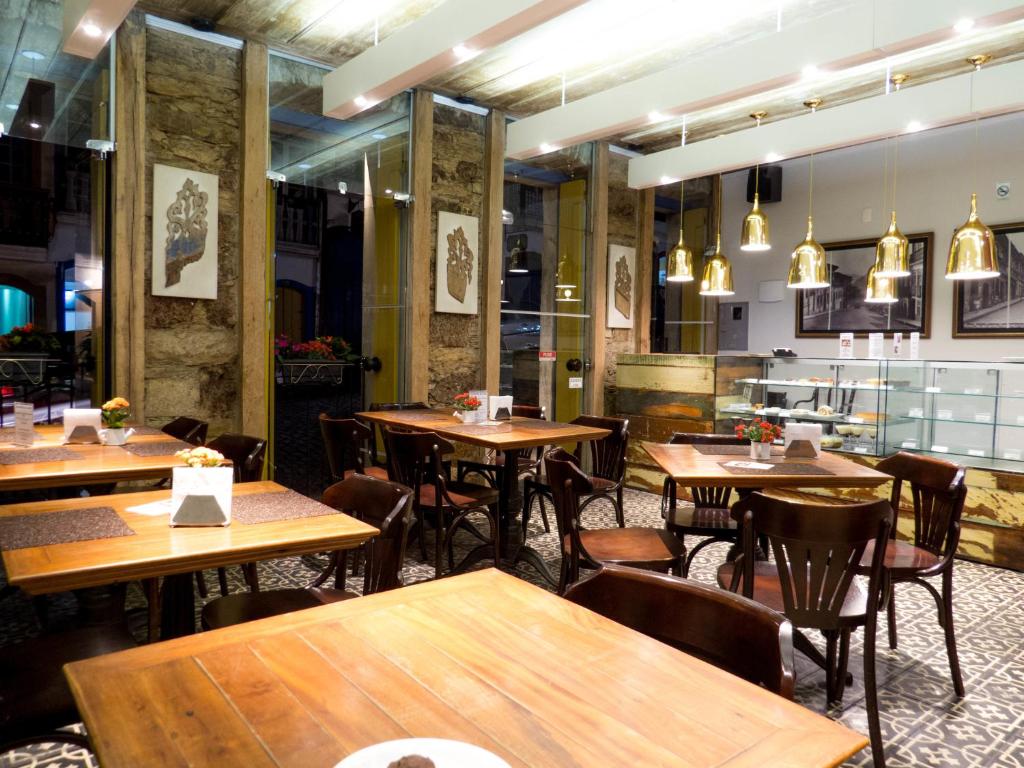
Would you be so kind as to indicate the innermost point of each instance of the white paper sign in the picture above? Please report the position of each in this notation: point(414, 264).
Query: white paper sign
point(575, 382)
point(846, 346)
point(916, 413)
point(1020, 420)
point(748, 465)
point(1013, 454)
point(975, 452)
point(973, 391)
point(908, 444)
point(897, 344)
point(986, 417)
point(915, 345)
point(24, 426)
point(932, 390)
point(940, 449)
point(875, 348)
point(944, 415)
point(854, 420)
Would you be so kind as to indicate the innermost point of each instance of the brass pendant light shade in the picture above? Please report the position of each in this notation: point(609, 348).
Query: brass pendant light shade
point(892, 257)
point(562, 277)
point(680, 264)
point(880, 290)
point(755, 235)
point(807, 267)
point(972, 253)
point(717, 277)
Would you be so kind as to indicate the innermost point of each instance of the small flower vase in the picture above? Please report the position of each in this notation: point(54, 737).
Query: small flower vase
point(468, 417)
point(113, 436)
point(759, 450)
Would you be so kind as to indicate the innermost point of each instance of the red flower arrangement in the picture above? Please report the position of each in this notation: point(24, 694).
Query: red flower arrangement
point(320, 348)
point(759, 431)
point(467, 402)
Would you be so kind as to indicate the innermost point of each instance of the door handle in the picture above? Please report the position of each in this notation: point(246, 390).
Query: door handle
point(371, 364)
point(574, 364)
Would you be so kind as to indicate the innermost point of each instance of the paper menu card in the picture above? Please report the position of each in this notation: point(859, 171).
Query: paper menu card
point(24, 424)
point(845, 346)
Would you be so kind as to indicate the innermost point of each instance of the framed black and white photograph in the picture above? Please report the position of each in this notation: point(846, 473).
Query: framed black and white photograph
point(994, 308)
point(840, 308)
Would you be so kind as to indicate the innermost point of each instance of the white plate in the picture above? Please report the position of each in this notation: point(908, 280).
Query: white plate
point(444, 752)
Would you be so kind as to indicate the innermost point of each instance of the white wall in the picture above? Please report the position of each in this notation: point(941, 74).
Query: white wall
point(935, 181)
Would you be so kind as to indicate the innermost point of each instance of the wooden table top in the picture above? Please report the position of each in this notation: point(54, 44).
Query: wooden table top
point(518, 433)
point(483, 657)
point(688, 466)
point(157, 549)
point(99, 463)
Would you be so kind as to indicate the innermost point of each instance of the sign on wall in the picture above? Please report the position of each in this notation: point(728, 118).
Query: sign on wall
point(458, 266)
point(184, 233)
point(621, 286)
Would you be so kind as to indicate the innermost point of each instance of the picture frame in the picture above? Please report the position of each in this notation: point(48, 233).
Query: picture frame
point(458, 264)
point(994, 309)
point(185, 244)
point(621, 286)
point(840, 308)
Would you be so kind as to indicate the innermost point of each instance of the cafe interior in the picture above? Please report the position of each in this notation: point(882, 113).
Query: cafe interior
point(411, 383)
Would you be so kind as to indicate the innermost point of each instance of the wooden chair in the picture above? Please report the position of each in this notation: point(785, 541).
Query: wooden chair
point(608, 469)
point(346, 443)
point(650, 548)
point(731, 632)
point(938, 489)
point(709, 516)
point(491, 469)
point(415, 460)
point(378, 429)
point(817, 552)
point(381, 503)
point(184, 428)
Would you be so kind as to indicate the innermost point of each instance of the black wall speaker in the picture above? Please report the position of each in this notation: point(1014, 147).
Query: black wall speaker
point(770, 189)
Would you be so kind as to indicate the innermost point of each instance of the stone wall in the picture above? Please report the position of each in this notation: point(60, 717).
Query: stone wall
point(457, 180)
point(193, 120)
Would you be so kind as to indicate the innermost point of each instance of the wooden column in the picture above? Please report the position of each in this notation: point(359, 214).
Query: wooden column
point(128, 260)
point(491, 246)
point(598, 278)
point(254, 300)
point(421, 249)
point(644, 269)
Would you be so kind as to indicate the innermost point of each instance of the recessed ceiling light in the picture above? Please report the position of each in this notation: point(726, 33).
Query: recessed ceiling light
point(667, 180)
point(464, 52)
point(34, 125)
point(809, 72)
point(92, 30)
point(33, 55)
point(656, 117)
point(914, 126)
point(304, 166)
point(379, 136)
point(361, 101)
point(963, 26)
point(773, 157)
point(545, 148)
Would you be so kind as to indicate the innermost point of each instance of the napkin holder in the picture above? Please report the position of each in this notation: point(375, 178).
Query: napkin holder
point(499, 407)
point(201, 496)
point(804, 440)
point(82, 425)
point(801, 449)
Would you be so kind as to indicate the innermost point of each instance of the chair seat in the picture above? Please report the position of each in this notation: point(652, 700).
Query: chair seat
point(603, 485)
point(463, 494)
point(701, 518)
point(250, 606)
point(380, 473)
point(640, 547)
point(902, 557)
point(34, 696)
point(768, 590)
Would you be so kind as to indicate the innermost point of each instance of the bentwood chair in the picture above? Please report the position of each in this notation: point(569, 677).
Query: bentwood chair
point(817, 551)
point(190, 430)
point(347, 445)
point(710, 514)
point(415, 460)
point(649, 548)
point(491, 469)
point(608, 469)
point(938, 490)
point(379, 429)
point(381, 503)
point(724, 629)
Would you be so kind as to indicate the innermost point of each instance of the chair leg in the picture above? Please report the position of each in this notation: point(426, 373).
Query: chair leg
point(543, 513)
point(620, 512)
point(871, 694)
point(947, 626)
point(201, 584)
point(423, 532)
point(831, 653)
point(151, 588)
point(222, 581)
point(844, 661)
point(890, 613)
point(527, 504)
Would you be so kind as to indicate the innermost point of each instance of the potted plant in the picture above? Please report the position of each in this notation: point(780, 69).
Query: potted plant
point(467, 408)
point(201, 490)
point(115, 413)
point(761, 434)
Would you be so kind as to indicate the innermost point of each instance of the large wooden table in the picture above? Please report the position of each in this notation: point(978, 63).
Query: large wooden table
point(482, 657)
point(158, 550)
point(99, 464)
point(511, 438)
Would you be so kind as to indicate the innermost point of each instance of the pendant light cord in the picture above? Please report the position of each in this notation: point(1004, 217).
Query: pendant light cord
point(885, 174)
point(682, 209)
point(895, 166)
point(810, 190)
point(977, 153)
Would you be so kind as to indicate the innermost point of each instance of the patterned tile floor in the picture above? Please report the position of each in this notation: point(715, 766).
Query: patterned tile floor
point(923, 722)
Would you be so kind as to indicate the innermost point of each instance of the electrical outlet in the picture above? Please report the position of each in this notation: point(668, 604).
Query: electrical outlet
point(865, 215)
point(1002, 190)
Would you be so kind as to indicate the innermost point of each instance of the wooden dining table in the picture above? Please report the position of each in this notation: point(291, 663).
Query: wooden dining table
point(154, 549)
point(482, 657)
point(511, 438)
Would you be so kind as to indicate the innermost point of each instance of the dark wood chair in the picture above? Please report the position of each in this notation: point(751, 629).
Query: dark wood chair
point(190, 430)
point(378, 440)
point(817, 551)
point(649, 548)
point(938, 490)
point(381, 503)
point(607, 469)
point(415, 460)
point(34, 696)
point(709, 516)
point(347, 445)
point(490, 470)
point(724, 629)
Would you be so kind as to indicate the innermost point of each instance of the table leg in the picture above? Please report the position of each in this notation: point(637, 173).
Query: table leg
point(177, 607)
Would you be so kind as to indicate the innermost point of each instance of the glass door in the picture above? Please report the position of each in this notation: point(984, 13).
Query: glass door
point(545, 307)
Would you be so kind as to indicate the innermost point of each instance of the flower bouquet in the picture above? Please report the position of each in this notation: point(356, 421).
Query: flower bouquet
point(201, 491)
point(467, 408)
point(761, 434)
point(114, 414)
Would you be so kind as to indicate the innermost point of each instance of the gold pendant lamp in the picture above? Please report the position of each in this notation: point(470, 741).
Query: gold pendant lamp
point(808, 267)
point(892, 257)
point(754, 236)
point(680, 258)
point(717, 277)
point(972, 253)
point(880, 290)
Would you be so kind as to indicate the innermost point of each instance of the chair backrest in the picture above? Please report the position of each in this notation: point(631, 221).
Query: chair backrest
point(607, 455)
point(345, 440)
point(414, 458)
point(817, 550)
point(528, 411)
point(567, 482)
point(724, 629)
point(190, 430)
point(379, 429)
point(938, 489)
point(246, 454)
point(383, 504)
point(703, 496)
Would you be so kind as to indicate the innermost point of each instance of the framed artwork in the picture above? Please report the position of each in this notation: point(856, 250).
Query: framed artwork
point(621, 286)
point(184, 233)
point(840, 308)
point(458, 267)
point(994, 308)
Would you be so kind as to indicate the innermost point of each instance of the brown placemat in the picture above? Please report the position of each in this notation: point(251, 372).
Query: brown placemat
point(141, 430)
point(780, 467)
point(255, 508)
point(33, 455)
point(157, 448)
point(22, 531)
point(731, 450)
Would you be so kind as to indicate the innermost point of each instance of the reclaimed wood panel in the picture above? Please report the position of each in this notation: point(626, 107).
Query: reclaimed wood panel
point(421, 249)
